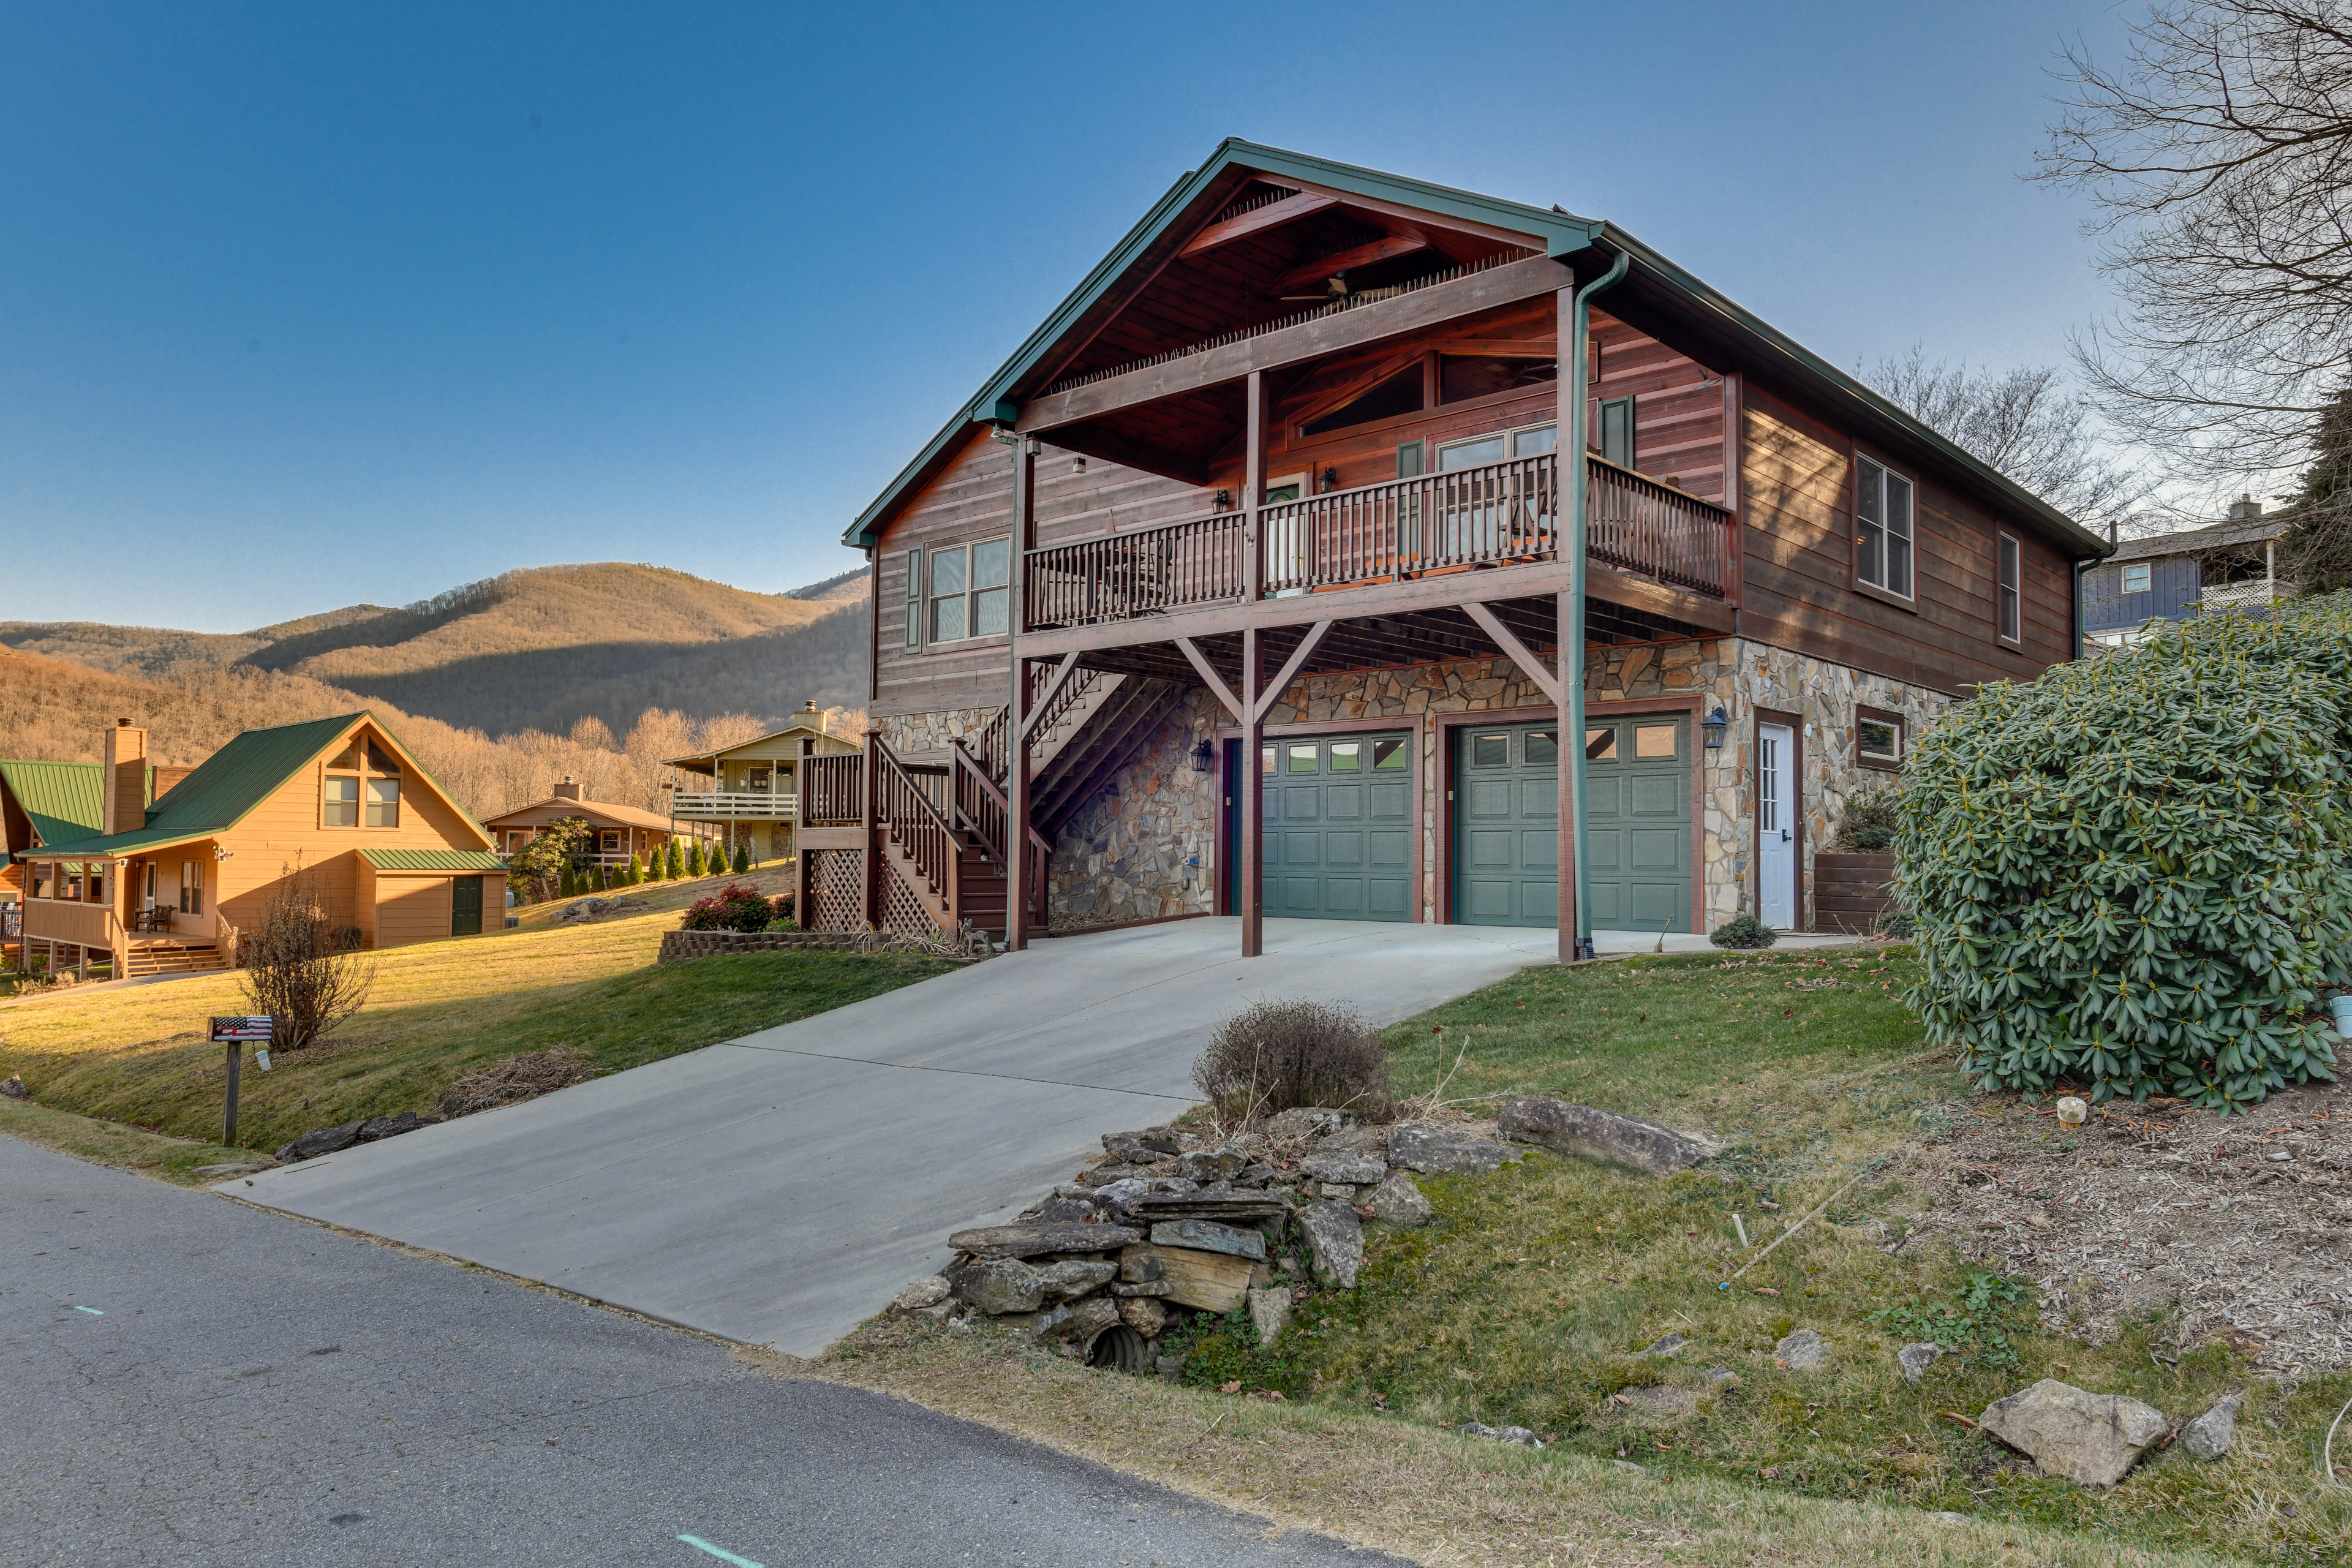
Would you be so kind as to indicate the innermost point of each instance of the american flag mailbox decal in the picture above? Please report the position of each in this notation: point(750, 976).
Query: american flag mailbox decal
point(248, 1028)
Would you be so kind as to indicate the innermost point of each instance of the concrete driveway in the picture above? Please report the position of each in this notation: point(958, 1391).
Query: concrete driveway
point(780, 1188)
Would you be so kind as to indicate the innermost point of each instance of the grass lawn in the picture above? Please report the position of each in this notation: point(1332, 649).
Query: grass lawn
point(1530, 1300)
point(440, 1010)
point(172, 1159)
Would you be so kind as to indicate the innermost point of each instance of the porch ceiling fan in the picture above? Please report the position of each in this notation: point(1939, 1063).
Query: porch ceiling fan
point(1335, 289)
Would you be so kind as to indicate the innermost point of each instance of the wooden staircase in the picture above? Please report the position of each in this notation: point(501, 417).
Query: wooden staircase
point(172, 957)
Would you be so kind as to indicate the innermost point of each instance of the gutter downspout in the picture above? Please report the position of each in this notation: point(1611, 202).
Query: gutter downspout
point(1572, 639)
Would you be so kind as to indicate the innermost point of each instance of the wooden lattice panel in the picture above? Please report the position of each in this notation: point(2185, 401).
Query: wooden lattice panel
point(837, 890)
point(903, 913)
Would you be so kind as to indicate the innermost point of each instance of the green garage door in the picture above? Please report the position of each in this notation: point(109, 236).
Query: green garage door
point(1506, 823)
point(1338, 828)
point(1638, 814)
point(1507, 826)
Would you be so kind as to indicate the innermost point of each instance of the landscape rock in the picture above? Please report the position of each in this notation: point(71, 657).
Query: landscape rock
point(1145, 1148)
point(928, 1291)
point(998, 1286)
point(1211, 1164)
point(1305, 1121)
point(1604, 1135)
point(235, 1168)
point(580, 910)
point(1373, 1141)
point(1336, 1237)
point(1208, 1236)
point(1399, 1201)
point(376, 1127)
point(1035, 1239)
point(2092, 1439)
point(1080, 1324)
point(1803, 1350)
point(2210, 1435)
point(1342, 1192)
point(1144, 1315)
point(1212, 1281)
point(1103, 1175)
point(1659, 1401)
point(1916, 1359)
point(1431, 1146)
point(1519, 1435)
point(1269, 1310)
point(1340, 1166)
point(14, 1087)
point(1150, 1288)
point(1065, 1282)
point(1667, 1345)
point(321, 1141)
point(1063, 1211)
point(1034, 1325)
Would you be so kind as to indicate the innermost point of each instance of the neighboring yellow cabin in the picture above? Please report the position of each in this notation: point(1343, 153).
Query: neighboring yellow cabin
point(752, 789)
point(394, 860)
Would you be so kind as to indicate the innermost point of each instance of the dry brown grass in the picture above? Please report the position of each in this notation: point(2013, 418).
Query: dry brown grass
point(1416, 1490)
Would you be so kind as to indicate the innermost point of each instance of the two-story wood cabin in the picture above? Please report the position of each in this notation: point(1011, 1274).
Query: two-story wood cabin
point(2227, 565)
point(1272, 519)
point(752, 789)
point(171, 885)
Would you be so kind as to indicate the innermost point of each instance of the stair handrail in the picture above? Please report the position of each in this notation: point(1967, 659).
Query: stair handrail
point(903, 810)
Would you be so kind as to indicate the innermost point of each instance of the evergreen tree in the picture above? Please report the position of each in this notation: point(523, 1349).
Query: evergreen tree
point(654, 866)
point(637, 872)
point(742, 860)
point(606, 879)
point(675, 859)
point(566, 886)
point(2317, 548)
point(694, 865)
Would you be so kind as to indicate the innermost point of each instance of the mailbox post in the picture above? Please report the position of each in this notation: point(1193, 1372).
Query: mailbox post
point(234, 1033)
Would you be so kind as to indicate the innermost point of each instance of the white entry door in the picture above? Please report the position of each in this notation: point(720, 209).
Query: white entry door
point(1776, 822)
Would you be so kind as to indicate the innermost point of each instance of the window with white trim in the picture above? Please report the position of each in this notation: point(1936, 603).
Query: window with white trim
point(1525, 442)
point(1878, 737)
point(1882, 526)
point(970, 590)
point(2013, 620)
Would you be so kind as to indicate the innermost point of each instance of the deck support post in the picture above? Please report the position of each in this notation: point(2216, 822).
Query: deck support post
point(804, 917)
point(1017, 870)
point(1573, 327)
point(870, 863)
point(1253, 788)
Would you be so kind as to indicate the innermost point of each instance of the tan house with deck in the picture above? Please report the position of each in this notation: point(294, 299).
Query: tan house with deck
point(617, 832)
point(753, 790)
point(174, 885)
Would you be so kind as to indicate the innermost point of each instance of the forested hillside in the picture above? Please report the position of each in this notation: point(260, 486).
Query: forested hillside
point(537, 649)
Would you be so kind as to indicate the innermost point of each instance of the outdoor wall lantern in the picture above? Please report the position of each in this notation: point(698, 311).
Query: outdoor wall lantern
point(1224, 502)
point(1205, 758)
point(1715, 724)
point(1077, 465)
point(1330, 478)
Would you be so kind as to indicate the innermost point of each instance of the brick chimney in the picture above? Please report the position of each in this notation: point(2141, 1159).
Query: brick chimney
point(124, 807)
point(567, 790)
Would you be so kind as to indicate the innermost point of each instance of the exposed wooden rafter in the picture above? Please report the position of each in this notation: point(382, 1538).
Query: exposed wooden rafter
point(1274, 214)
point(1316, 271)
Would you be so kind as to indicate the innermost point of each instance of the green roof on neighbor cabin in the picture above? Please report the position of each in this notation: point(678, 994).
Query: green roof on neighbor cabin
point(62, 800)
point(1562, 234)
point(228, 785)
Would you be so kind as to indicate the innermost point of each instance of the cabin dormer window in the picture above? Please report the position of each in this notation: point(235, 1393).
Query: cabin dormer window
point(362, 785)
point(2136, 579)
point(1882, 526)
point(968, 590)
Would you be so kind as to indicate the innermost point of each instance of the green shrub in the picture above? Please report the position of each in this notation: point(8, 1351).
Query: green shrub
point(637, 873)
point(742, 861)
point(1744, 930)
point(694, 860)
point(732, 907)
point(601, 878)
point(2126, 874)
point(673, 861)
point(566, 883)
point(1868, 824)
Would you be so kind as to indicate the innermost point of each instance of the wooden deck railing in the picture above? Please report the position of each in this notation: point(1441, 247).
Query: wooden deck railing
point(1498, 515)
point(905, 808)
point(832, 791)
point(771, 805)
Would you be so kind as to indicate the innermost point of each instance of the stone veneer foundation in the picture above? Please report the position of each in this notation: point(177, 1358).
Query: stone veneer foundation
point(1146, 847)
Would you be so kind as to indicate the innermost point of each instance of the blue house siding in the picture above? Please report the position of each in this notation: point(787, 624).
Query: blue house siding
point(2171, 594)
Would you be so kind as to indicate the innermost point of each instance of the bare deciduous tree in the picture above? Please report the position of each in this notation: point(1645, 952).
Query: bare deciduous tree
point(2219, 154)
point(2023, 422)
point(304, 967)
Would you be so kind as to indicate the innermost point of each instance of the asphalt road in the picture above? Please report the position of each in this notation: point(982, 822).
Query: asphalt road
point(189, 1382)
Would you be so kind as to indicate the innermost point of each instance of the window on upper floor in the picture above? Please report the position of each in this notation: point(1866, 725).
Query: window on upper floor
point(362, 787)
point(1529, 441)
point(1882, 526)
point(970, 587)
point(2011, 607)
point(1617, 431)
point(1399, 394)
point(2136, 579)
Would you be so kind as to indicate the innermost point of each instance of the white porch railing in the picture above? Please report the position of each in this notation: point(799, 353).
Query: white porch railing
point(734, 806)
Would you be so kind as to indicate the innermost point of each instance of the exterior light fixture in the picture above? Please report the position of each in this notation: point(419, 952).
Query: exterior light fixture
point(1330, 478)
point(1205, 758)
point(1223, 501)
point(1077, 465)
point(1715, 724)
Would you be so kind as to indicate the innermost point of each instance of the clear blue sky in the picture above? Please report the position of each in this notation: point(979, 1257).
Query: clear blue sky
point(304, 306)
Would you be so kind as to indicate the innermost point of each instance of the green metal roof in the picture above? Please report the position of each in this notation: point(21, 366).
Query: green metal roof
point(64, 800)
point(433, 861)
point(238, 777)
point(1563, 234)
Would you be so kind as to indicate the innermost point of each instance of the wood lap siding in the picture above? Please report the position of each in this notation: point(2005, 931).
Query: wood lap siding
point(415, 908)
point(1799, 590)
